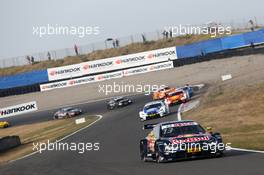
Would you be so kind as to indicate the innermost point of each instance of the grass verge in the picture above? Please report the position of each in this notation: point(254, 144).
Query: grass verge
point(235, 112)
point(40, 132)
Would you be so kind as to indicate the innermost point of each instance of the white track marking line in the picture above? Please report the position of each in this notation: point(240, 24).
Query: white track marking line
point(179, 112)
point(100, 117)
point(247, 150)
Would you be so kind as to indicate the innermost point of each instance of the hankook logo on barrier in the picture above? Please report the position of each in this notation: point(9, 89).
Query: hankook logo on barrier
point(150, 68)
point(65, 72)
point(108, 76)
point(18, 109)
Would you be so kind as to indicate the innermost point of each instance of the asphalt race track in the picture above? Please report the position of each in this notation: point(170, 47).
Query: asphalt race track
point(118, 133)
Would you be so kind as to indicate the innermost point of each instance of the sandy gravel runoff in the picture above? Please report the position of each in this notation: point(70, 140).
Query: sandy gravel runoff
point(244, 69)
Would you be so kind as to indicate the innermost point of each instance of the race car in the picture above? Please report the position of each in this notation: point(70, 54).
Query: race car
point(118, 102)
point(67, 113)
point(175, 140)
point(188, 90)
point(4, 124)
point(154, 109)
point(176, 96)
point(161, 93)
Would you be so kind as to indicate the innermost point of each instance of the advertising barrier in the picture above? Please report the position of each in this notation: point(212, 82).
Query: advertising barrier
point(150, 68)
point(80, 81)
point(106, 76)
point(114, 63)
point(18, 109)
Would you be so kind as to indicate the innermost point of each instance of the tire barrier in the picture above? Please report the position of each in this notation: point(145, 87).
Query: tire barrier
point(19, 90)
point(9, 142)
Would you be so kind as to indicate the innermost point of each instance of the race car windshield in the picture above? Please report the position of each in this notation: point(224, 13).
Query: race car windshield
point(165, 89)
point(157, 105)
point(68, 109)
point(120, 99)
point(175, 93)
point(184, 130)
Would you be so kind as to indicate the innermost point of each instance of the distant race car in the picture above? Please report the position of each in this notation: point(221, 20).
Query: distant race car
point(118, 102)
point(161, 93)
point(154, 109)
point(176, 96)
point(4, 124)
point(176, 140)
point(67, 113)
point(188, 89)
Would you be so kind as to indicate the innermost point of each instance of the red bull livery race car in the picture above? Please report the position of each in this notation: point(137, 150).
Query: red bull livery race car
point(179, 140)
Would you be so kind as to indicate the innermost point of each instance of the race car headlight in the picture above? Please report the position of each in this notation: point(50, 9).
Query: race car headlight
point(141, 113)
point(171, 148)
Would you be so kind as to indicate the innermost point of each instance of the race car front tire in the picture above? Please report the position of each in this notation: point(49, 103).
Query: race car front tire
point(143, 150)
point(160, 158)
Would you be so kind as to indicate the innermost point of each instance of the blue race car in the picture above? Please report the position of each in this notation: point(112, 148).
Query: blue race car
point(154, 109)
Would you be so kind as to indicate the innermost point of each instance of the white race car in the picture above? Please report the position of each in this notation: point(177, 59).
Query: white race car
point(154, 109)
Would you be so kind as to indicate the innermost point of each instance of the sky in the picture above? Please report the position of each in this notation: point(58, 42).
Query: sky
point(114, 18)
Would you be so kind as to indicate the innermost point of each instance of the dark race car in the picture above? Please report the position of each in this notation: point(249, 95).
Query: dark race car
point(176, 140)
point(118, 102)
point(67, 113)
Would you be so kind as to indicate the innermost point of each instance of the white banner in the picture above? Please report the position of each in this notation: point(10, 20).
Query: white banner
point(108, 64)
point(80, 81)
point(18, 109)
point(106, 76)
point(150, 68)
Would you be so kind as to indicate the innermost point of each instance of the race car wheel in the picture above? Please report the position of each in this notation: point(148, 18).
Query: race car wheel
point(6, 125)
point(159, 158)
point(219, 154)
point(143, 150)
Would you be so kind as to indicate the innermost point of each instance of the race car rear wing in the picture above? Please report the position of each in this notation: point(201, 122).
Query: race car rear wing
point(149, 126)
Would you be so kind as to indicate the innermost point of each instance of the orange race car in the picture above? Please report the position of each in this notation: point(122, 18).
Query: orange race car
point(175, 97)
point(161, 93)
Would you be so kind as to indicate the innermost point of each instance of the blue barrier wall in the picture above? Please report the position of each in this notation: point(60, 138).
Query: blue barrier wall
point(232, 42)
point(203, 47)
point(190, 50)
point(211, 46)
point(254, 37)
point(24, 79)
point(220, 44)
